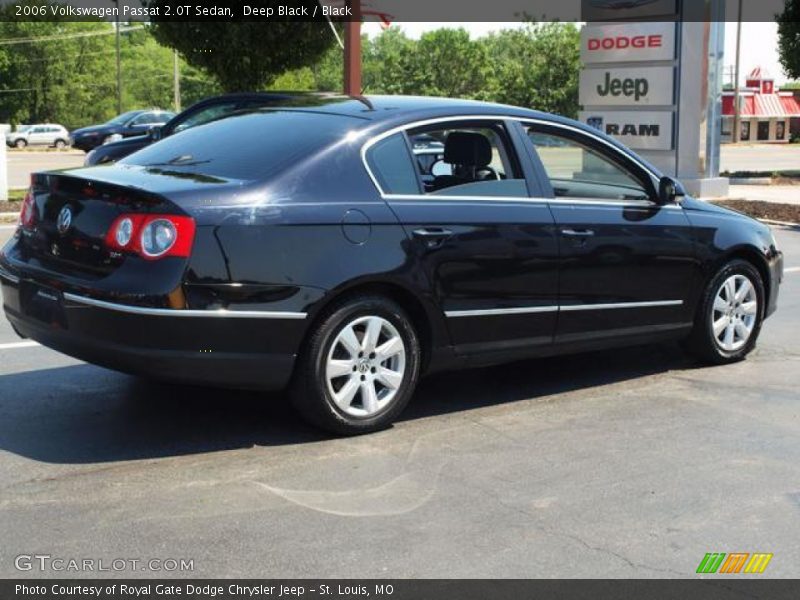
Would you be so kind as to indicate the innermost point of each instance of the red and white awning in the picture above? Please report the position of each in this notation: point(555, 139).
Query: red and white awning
point(768, 106)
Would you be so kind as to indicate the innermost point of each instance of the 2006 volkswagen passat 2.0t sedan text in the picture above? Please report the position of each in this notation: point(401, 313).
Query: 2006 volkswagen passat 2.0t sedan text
point(342, 247)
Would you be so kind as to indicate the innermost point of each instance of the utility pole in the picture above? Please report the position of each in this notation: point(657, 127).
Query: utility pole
point(736, 109)
point(176, 82)
point(119, 65)
point(352, 50)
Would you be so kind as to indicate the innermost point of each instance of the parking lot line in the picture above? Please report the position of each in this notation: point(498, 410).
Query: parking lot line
point(792, 270)
point(15, 345)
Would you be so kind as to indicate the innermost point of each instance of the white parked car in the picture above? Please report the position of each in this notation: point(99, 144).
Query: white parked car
point(45, 134)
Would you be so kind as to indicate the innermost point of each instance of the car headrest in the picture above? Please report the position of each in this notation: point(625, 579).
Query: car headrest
point(467, 148)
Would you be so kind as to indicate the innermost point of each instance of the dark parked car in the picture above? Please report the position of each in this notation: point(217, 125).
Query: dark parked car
point(300, 246)
point(202, 112)
point(133, 123)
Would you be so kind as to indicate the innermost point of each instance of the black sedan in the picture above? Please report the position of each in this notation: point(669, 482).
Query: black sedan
point(302, 247)
point(204, 111)
point(133, 123)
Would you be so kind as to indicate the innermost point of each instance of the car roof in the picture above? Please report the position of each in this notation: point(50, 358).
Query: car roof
point(386, 108)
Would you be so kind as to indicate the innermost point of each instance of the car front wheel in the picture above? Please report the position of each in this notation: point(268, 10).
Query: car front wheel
point(20, 144)
point(359, 368)
point(730, 314)
point(60, 144)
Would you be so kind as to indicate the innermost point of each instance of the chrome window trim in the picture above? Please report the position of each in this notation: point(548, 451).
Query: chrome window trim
point(175, 312)
point(532, 120)
point(532, 200)
point(462, 198)
point(558, 308)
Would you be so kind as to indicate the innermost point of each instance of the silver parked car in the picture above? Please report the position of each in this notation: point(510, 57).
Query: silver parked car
point(44, 134)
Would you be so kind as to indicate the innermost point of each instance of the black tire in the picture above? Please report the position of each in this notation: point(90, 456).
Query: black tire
point(702, 342)
point(309, 389)
point(60, 144)
point(20, 144)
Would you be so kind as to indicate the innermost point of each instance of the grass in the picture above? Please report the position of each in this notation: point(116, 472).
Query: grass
point(16, 195)
point(788, 174)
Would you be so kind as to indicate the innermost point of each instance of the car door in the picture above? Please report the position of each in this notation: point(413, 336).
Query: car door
point(139, 125)
point(51, 135)
point(37, 135)
point(626, 263)
point(486, 246)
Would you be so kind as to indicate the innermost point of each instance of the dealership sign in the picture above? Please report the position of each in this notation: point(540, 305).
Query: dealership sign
point(632, 42)
point(641, 130)
point(629, 86)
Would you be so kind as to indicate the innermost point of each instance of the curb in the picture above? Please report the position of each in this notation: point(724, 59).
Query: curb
point(751, 181)
point(780, 223)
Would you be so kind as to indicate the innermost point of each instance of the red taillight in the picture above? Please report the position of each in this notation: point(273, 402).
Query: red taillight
point(152, 236)
point(27, 214)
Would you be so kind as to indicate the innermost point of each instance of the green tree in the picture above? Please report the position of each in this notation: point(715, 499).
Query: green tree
point(328, 71)
point(789, 38)
point(147, 75)
point(446, 62)
point(245, 56)
point(388, 63)
point(61, 75)
point(536, 67)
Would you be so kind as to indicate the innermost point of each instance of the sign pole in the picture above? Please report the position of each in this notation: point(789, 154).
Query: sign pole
point(352, 50)
point(736, 107)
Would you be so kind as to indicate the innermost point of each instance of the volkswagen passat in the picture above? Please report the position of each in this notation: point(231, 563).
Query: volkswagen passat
point(309, 247)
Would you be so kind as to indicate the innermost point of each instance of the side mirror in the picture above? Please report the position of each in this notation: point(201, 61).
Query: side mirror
point(155, 133)
point(669, 190)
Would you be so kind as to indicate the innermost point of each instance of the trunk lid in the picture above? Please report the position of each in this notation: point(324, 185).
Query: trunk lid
point(72, 217)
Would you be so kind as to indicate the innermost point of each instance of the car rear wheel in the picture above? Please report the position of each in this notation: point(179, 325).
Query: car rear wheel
point(730, 315)
point(20, 144)
point(359, 368)
point(60, 144)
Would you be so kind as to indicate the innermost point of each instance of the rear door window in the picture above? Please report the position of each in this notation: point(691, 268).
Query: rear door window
point(467, 159)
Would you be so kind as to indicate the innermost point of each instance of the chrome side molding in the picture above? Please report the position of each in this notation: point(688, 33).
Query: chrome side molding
point(174, 312)
point(558, 308)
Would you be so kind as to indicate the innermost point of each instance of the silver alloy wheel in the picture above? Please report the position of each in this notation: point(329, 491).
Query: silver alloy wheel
point(365, 366)
point(734, 313)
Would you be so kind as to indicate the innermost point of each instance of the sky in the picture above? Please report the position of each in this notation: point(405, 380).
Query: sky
point(759, 42)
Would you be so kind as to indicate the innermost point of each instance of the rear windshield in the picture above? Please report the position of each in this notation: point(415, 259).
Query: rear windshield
point(250, 146)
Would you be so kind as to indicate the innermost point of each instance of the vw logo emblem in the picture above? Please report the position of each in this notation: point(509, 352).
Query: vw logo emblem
point(64, 220)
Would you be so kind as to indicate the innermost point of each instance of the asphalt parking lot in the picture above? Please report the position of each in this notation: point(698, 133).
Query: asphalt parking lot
point(759, 157)
point(631, 463)
point(22, 163)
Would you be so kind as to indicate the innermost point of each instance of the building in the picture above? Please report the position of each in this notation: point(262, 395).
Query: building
point(767, 115)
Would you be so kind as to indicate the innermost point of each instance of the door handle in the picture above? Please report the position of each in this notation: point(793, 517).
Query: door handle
point(579, 233)
point(432, 236)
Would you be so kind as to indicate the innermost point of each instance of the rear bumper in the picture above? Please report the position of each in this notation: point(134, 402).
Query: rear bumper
point(249, 349)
